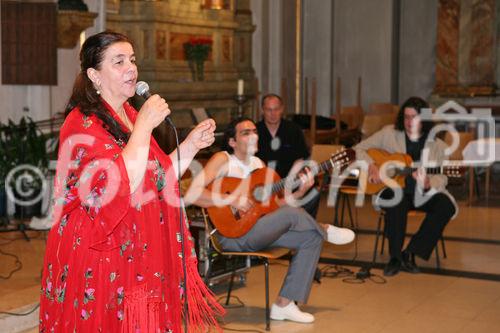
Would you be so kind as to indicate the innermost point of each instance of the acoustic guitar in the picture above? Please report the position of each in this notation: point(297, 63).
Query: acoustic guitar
point(401, 165)
point(263, 187)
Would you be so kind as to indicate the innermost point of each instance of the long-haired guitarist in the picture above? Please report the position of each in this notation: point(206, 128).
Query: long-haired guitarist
point(422, 191)
point(286, 226)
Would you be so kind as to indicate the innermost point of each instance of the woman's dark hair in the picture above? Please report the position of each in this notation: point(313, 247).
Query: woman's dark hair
point(230, 133)
point(418, 104)
point(84, 94)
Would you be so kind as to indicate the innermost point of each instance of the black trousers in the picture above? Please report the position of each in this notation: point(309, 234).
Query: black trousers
point(439, 209)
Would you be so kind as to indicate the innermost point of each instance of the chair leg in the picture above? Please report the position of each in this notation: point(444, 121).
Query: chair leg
point(342, 200)
point(443, 247)
point(336, 214)
point(383, 240)
point(268, 311)
point(487, 182)
point(230, 288)
point(375, 249)
point(471, 185)
point(209, 268)
point(476, 183)
point(349, 211)
point(438, 263)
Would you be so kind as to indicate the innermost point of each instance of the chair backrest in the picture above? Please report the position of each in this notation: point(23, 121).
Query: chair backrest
point(373, 122)
point(352, 116)
point(384, 108)
point(320, 153)
point(464, 139)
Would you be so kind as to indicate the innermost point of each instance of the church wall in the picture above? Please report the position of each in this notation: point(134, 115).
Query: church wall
point(363, 48)
point(42, 102)
point(417, 48)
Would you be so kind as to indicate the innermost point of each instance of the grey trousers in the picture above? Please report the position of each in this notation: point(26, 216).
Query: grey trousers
point(291, 228)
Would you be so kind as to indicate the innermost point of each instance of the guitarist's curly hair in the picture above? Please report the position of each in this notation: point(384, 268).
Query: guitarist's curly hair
point(230, 133)
point(418, 104)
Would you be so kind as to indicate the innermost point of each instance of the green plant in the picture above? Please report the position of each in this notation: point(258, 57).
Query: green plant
point(22, 143)
point(196, 51)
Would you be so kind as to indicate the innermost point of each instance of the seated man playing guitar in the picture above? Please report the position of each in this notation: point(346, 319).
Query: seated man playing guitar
point(286, 226)
point(421, 191)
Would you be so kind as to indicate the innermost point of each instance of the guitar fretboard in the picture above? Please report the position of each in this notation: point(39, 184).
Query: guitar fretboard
point(321, 167)
point(431, 171)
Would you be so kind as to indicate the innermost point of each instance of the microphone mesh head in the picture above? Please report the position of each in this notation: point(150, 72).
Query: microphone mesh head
point(141, 88)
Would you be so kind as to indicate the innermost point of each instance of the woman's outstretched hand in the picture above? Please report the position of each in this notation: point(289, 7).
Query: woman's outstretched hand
point(202, 135)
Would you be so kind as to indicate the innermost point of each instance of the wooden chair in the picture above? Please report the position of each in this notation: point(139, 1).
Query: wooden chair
point(265, 255)
point(384, 108)
point(352, 116)
point(464, 139)
point(373, 122)
point(320, 153)
point(348, 189)
point(411, 213)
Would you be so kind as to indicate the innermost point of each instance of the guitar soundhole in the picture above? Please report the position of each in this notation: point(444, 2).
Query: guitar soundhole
point(236, 213)
point(393, 170)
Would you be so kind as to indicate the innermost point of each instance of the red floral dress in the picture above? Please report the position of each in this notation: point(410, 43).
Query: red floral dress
point(113, 261)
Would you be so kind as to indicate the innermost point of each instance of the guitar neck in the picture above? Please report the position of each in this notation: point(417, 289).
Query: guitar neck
point(431, 171)
point(321, 167)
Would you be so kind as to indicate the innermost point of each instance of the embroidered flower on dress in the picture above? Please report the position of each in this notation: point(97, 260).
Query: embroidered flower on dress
point(87, 122)
point(119, 314)
point(88, 295)
point(85, 314)
point(62, 224)
point(61, 293)
point(88, 273)
point(80, 154)
point(120, 295)
point(124, 246)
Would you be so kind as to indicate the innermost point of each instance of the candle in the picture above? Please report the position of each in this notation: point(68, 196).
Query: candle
point(241, 84)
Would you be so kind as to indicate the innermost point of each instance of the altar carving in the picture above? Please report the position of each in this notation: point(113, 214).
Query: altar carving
point(159, 30)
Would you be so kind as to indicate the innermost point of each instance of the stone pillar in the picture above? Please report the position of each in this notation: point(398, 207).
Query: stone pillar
point(466, 49)
point(447, 44)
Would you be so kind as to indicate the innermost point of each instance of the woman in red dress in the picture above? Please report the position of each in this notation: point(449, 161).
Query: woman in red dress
point(114, 259)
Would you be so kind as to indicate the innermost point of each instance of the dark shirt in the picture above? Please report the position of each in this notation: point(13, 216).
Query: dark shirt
point(285, 148)
point(414, 149)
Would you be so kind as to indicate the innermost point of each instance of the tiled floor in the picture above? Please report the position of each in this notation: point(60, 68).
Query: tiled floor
point(405, 303)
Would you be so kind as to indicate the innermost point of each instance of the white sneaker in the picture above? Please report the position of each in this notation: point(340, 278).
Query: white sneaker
point(290, 312)
point(339, 236)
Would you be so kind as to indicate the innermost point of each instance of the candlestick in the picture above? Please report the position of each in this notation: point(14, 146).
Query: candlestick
point(241, 85)
point(240, 100)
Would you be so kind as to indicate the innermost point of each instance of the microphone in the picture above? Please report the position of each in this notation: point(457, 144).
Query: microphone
point(142, 89)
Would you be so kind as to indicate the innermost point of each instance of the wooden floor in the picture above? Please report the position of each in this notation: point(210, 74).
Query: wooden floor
point(405, 303)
